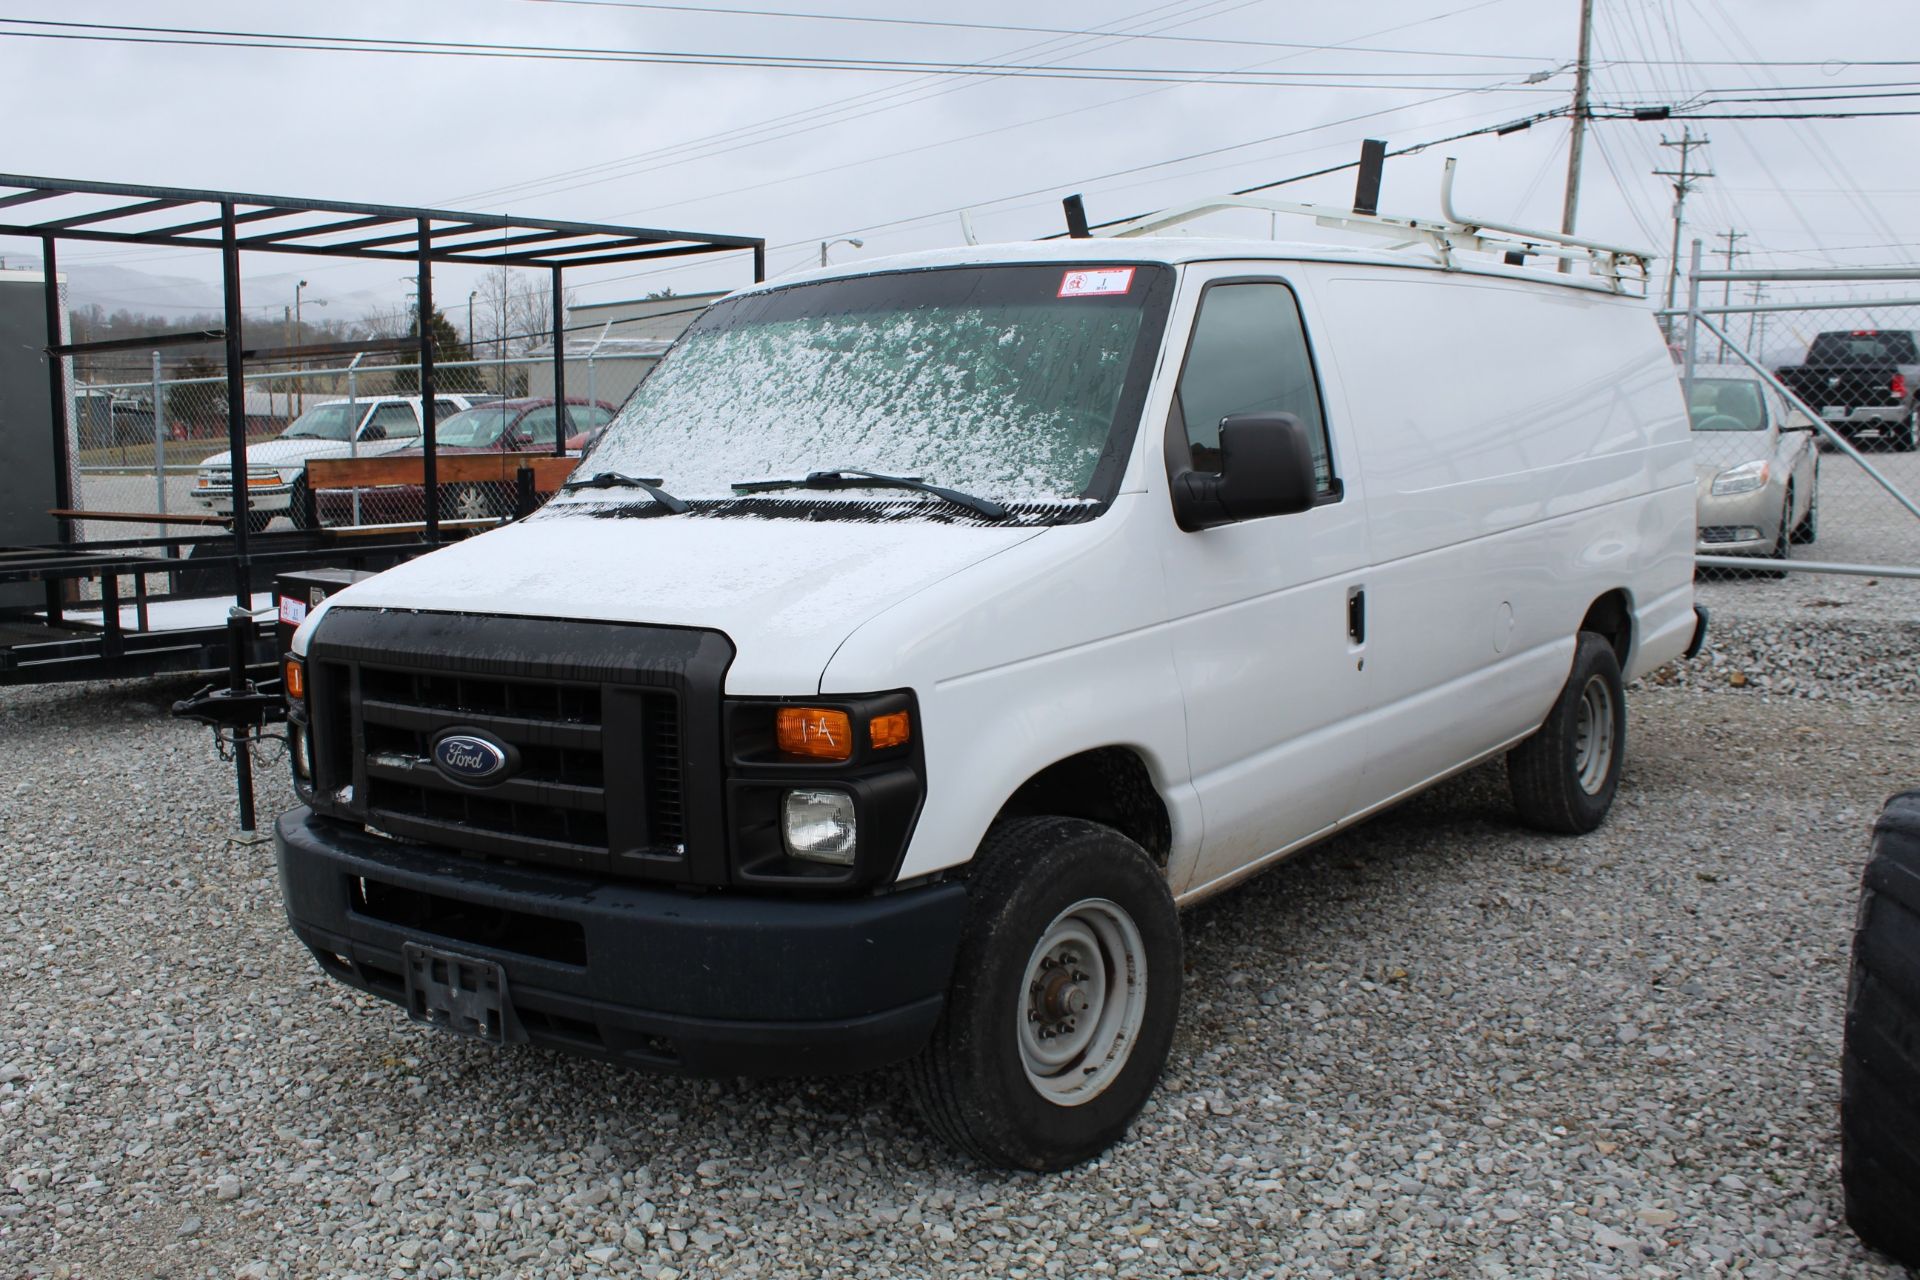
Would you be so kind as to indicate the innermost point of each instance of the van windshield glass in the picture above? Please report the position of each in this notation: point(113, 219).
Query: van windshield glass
point(983, 379)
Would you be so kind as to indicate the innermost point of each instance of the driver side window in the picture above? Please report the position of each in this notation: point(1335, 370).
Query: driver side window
point(1249, 355)
point(391, 422)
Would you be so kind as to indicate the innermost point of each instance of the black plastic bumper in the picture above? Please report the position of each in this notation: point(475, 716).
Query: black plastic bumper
point(708, 984)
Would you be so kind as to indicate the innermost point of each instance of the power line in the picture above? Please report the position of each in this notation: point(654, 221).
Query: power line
point(204, 37)
point(1024, 30)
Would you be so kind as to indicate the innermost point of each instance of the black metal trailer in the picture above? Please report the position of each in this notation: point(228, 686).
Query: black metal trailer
point(73, 638)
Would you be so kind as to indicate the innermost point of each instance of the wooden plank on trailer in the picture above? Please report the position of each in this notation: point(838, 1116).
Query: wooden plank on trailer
point(549, 471)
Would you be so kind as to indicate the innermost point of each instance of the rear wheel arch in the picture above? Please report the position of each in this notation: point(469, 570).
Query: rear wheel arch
point(1611, 616)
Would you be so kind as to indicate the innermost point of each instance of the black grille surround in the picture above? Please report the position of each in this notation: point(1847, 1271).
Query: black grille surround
point(616, 730)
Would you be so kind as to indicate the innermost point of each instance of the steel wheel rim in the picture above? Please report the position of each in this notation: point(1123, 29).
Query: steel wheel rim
point(1082, 1001)
point(1593, 736)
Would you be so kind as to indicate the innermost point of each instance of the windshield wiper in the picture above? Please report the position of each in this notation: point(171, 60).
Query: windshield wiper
point(619, 480)
point(848, 478)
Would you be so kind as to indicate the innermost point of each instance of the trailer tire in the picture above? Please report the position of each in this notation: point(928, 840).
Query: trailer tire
point(1880, 1057)
point(1564, 776)
point(1064, 998)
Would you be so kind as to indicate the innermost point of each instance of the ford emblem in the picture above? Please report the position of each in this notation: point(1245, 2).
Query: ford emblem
point(467, 756)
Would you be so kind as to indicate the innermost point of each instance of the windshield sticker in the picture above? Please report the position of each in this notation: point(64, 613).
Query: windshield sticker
point(1090, 284)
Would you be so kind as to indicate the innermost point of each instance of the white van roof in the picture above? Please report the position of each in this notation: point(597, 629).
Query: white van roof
point(1176, 250)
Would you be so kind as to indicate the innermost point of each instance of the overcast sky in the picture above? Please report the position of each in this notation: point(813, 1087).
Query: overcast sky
point(800, 156)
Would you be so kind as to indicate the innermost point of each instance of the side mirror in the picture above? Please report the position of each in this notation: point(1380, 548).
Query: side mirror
point(373, 431)
point(1266, 469)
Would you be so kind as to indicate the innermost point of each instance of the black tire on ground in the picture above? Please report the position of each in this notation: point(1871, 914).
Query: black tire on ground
point(1907, 435)
point(1783, 539)
point(1036, 879)
point(1880, 1063)
point(1809, 527)
point(256, 521)
point(297, 499)
point(1564, 776)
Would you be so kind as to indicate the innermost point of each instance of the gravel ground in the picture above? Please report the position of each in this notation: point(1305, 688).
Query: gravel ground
point(1437, 1046)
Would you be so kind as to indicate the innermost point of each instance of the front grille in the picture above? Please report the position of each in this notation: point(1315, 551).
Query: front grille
point(599, 740)
point(1727, 533)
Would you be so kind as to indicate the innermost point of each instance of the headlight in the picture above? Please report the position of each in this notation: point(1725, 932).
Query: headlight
point(818, 825)
point(1744, 478)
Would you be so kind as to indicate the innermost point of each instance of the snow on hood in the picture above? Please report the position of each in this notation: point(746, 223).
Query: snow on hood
point(786, 592)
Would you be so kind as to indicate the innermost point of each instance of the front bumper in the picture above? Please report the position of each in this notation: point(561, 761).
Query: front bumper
point(261, 498)
point(1743, 524)
point(666, 979)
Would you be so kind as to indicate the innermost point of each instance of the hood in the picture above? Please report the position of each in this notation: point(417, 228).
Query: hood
point(786, 592)
point(285, 453)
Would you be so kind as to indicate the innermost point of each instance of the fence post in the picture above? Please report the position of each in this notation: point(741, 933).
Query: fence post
point(1693, 323)
point(159, 441)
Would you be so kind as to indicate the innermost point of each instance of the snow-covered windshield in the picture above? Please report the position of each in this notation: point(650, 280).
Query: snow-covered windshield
point(1017, 383)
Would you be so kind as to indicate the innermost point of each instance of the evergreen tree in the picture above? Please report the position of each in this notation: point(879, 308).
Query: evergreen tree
point(448, 348)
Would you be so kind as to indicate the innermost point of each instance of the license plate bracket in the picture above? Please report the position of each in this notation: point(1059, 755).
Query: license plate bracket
point(462, 994)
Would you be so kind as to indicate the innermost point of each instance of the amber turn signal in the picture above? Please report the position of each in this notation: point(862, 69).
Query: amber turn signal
point(893, 730)
point(819, 733)
point(296, 679)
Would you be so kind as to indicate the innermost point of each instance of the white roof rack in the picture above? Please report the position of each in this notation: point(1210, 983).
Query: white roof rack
point(1613, 267)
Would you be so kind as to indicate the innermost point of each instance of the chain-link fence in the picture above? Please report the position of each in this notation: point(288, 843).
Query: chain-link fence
point(1804, 396)
point(340, 446)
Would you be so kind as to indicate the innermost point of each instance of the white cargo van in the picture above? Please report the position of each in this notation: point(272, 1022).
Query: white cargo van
point(924, 633)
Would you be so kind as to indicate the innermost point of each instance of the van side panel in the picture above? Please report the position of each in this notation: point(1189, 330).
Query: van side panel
point(1526, 451)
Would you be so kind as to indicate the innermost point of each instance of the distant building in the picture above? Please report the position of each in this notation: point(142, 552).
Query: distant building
point(611, 346)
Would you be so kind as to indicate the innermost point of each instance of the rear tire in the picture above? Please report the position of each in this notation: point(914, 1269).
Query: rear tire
point(1065, 994)
point(1907, 434)
point(1563, 778)
point(1880, 1063)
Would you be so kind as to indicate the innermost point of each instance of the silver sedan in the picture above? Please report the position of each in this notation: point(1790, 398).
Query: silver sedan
point(1757, 472)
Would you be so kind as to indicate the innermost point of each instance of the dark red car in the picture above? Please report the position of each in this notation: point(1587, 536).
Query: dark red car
point(500, 426)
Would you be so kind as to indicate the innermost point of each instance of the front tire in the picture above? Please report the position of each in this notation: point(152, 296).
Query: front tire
point(1907, 434)
point(1809, 527)
point(1880, 1062)
point(1065, 994)
point(298, 500)
point(1563, 778)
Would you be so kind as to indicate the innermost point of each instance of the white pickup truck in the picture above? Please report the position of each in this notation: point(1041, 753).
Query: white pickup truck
point(924, 633)
point(366, 427)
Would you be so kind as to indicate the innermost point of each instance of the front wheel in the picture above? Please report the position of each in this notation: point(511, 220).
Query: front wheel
point(1563, 778)
point(1809, 526)
point(1907, 434)
point(1065, 994)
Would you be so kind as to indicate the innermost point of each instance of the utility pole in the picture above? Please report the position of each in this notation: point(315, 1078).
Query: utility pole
point(1726, 286)
point(1756, 321)
point(1683, 179)
point(1571, 205)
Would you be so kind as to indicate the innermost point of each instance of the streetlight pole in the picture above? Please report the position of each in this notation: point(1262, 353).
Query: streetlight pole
point(828, 244)
point(300, 366)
